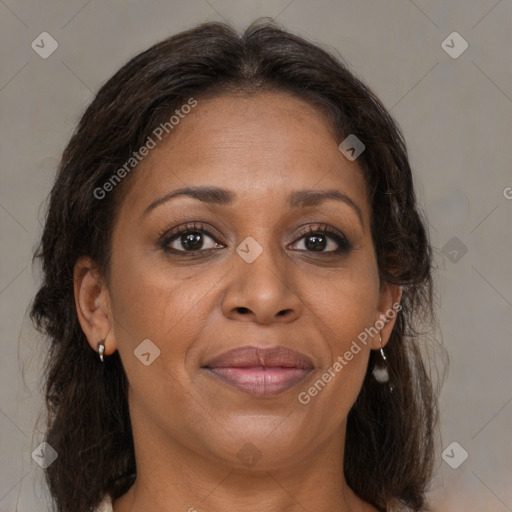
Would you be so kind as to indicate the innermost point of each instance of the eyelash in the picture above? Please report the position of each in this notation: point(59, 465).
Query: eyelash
point(166, 237)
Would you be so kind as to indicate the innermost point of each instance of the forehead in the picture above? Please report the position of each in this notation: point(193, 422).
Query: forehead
point(258, 145)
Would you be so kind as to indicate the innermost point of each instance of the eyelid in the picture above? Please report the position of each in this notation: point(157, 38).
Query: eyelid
point(320, 227)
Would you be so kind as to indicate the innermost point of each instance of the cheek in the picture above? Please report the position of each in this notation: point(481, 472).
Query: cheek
point(149, 300)
point(157, 303)
point(345, 302)
point(342, 310)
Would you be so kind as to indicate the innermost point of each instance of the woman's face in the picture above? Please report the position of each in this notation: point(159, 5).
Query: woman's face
point(278, 253)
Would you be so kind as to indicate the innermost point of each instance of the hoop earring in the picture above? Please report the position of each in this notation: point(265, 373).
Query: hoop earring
point(380, 370)
point(101, 350)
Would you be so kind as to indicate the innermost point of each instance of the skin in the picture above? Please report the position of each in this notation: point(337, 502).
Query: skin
point(188, 427)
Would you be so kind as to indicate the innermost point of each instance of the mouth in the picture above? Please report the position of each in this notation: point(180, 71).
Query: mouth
point(261, 372)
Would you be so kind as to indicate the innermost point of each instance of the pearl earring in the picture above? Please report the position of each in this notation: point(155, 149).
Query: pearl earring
point(380, 370)
point(101, 349)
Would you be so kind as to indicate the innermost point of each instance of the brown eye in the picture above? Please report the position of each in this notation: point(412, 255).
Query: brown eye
point(324, 240)
point(192, 241)
point(189, 238)
point(316, 242)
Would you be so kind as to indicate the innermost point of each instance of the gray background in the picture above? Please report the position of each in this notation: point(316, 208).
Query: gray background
point(456, 114)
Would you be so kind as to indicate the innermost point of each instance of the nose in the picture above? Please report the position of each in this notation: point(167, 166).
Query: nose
point(262, 291)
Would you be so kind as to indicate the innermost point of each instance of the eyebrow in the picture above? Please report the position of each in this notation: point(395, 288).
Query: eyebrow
point(220, 196)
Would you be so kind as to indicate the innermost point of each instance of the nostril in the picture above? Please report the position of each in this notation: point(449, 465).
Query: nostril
point(242, 310)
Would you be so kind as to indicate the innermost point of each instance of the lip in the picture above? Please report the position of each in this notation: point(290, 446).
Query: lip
point(261, 372)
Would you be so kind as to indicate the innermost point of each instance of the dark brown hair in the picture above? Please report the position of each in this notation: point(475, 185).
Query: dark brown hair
point(390, 439)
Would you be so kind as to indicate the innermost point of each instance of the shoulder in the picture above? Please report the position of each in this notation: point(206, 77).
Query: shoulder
point(105, 505)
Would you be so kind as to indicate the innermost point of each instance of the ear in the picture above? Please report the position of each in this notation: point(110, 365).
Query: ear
point(93, 305)
point(387, 311)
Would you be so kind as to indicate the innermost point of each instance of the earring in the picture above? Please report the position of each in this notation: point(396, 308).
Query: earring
point(101, 349)
point(380, 370)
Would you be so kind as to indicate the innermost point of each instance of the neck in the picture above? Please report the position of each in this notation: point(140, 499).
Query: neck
point(180, 479)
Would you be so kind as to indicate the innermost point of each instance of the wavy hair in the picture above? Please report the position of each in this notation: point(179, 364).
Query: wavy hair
point(390, 437)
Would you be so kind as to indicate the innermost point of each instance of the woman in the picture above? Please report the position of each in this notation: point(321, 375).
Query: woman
point(235, 272)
